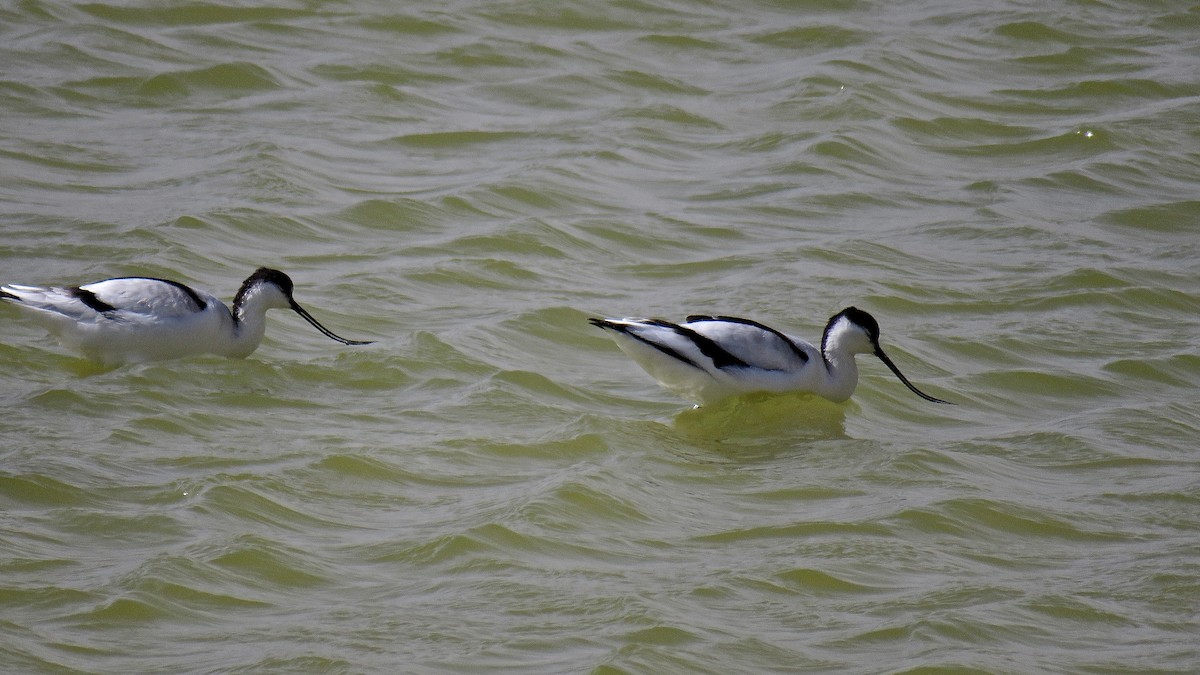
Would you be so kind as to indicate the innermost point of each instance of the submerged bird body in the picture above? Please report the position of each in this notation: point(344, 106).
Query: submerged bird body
point(136, 319)
point(708, 358)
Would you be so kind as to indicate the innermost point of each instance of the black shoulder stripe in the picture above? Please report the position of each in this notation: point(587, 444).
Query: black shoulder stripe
point(89, 298)
point(191, 293)
point(720, 356)
point(800, 353)
point(197, 301)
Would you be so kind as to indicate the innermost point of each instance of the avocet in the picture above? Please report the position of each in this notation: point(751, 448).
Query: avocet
point(708, 358)
point(135, 319)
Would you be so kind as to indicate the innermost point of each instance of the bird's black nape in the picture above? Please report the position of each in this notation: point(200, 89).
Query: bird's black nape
point(868, 323)
point(264, 275)
point(855, 316)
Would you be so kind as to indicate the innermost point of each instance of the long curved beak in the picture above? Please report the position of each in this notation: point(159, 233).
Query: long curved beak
point(325, 331)
point(888, 362)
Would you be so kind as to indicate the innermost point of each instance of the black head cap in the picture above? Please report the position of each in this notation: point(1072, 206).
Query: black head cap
point(857, 317)
point(265, 275)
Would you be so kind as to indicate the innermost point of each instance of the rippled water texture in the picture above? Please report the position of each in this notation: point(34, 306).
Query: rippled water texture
point(1009, 187)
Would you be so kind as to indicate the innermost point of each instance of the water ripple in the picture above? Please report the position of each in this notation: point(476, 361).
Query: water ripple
point(492, 485)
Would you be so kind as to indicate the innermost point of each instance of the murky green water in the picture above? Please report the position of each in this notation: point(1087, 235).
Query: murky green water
point(492, 487)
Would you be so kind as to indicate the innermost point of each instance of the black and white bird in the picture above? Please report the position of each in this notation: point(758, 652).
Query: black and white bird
point(708, 358)
point(135, 319)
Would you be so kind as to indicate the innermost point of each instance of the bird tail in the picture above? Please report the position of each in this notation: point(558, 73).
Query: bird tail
point(18, 293)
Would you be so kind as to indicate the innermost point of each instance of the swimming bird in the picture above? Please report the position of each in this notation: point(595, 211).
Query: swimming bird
point(135, 319)
point(708, 358)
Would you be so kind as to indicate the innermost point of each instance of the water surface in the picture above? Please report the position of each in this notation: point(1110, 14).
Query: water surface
point(492, 486)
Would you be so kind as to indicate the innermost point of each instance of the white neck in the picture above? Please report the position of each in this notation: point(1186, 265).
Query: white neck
point(841, 375)
point(843, 342)
point(249, 319)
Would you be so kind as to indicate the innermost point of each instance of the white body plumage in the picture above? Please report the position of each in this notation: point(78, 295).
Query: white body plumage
point(708, 358)
point(135, 319)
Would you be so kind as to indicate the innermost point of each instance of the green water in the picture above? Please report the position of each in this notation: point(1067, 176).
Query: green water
point(493, 487)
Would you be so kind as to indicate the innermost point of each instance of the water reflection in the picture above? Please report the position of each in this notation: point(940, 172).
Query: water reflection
point(761, 425)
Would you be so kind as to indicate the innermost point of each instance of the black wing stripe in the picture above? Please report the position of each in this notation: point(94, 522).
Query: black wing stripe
point(620, 328)
point(800, 353)
point(720, 356)
point(89, 298)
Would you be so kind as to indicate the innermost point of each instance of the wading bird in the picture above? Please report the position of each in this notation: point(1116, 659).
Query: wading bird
point(708, 358)
point(134, 319)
